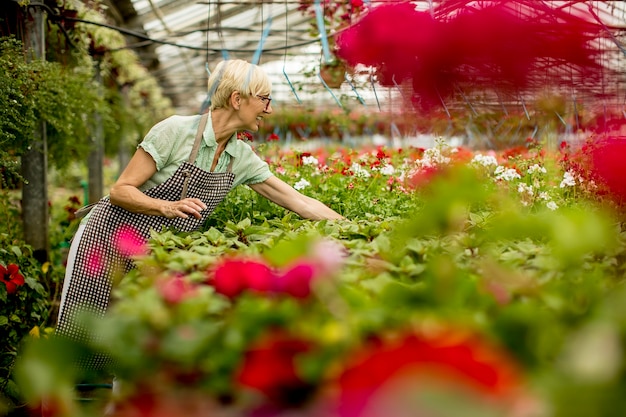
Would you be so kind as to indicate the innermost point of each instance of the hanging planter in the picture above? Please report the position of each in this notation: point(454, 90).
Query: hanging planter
point(333, 73)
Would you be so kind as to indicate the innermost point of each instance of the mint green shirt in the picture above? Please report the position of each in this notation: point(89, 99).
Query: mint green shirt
point(170, 141)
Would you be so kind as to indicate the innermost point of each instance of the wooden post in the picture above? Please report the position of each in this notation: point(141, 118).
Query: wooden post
point(35, 161)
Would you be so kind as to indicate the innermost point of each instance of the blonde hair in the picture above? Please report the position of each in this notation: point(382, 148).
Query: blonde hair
point(236, 75)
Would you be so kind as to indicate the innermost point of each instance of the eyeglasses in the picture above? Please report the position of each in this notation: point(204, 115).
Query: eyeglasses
point(266, 100)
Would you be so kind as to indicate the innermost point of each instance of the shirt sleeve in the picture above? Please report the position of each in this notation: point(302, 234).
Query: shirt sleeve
point(256, 170)
point(160, 141)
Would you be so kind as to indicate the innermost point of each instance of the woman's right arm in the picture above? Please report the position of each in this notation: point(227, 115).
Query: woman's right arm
point(126, 194)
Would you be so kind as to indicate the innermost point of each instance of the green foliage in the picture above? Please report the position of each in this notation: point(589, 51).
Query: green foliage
point(37, 90)
point(22, 312)
point(539, 274)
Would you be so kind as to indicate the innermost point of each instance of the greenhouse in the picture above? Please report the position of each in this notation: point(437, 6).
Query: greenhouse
point(313, 208)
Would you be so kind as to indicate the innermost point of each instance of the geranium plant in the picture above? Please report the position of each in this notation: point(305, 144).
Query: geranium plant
point(24, 307)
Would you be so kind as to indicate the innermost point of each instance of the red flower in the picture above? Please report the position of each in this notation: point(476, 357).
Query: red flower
point(455, 359)
point(607, 166)
point(273, 137)
point(245, 136)
point(299, 163)
point(269, 367)
point(600, 160)
point(424, 176)
point(296, 281)
point(233, 276)
point(11, 277)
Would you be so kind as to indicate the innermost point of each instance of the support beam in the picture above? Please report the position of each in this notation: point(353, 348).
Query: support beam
point(35, 161)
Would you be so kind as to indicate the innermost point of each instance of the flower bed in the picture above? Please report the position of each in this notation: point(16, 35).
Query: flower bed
point(477, 281)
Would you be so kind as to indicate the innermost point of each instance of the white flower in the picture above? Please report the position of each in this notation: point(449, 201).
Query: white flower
point(506, 174)
point(523, 188)
point(302, 184)
point(484, 160)
point(552, 205)
point(568, 180)
point(433, 157)
point(359, 171)
point(310, 160)
point(387, 170)
point(533, 169)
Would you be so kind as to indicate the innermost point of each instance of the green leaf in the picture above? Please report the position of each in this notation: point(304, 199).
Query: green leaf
point(287, 250)
point(214, 236)
point(17, 251)
point(244, 223)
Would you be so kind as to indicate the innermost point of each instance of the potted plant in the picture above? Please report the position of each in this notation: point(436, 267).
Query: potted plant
point(333, 73)
point(327, 18)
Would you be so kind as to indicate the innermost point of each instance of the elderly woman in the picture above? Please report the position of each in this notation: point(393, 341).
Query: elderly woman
point(181, 171)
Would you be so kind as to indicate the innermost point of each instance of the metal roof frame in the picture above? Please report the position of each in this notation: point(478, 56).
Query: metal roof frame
point(197, 34)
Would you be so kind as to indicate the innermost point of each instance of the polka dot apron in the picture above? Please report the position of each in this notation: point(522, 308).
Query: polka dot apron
point(98, 261)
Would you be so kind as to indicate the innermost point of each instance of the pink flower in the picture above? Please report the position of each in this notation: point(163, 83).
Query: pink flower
point(94, 261)
point(175, 289)
point(329, 256)
point(11, 277)
point(129, 242)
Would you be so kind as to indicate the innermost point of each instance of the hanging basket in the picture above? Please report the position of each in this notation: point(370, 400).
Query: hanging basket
point(333, 73)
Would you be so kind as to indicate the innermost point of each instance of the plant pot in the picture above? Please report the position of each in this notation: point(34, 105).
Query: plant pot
point(333, 74)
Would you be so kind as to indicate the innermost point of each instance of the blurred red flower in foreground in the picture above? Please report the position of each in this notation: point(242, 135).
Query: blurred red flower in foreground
point(608, 168)
point(387, 378)
point(129, 242)
point(175, 289)
point(602, 161)
point(296, 281)
point(424, 176)
point(231, 276)
point(269, 367)
point(408, 45)
point(11, 277)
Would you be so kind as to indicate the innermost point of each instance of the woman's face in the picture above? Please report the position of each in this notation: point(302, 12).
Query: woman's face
point(254, 109)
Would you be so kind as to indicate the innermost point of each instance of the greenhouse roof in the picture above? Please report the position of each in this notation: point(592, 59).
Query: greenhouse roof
point(185, 39)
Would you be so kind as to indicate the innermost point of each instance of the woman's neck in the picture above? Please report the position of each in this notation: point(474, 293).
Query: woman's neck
point(223, 125)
